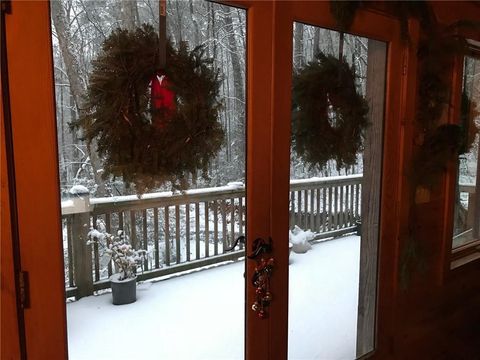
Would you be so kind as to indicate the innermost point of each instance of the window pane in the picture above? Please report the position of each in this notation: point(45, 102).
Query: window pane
point(466, 216)
point(200, 314)
point(334, 202)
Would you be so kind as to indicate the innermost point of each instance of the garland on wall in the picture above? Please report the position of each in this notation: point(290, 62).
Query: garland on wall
point(329, 115)
point(438, 143)
point(152, 126)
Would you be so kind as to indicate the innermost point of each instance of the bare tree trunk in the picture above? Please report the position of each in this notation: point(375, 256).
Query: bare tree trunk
point(316, 41)
point(298, 57)
point(330, 47)
point(77, 88)
point(71, 65)
point(178, 33)
point(129, 14)
point(234, 54)
point(238, 86)
point(195, 24)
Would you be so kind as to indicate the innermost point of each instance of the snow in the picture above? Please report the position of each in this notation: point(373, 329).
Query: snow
point(329, 179)
point(235, 186)
point(78, 190)
point(67, 203)
point(201, 315)
point(97, 235)
point(300, 240)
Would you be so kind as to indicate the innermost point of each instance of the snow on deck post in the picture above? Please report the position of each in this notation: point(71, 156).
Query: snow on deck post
point(82, 250)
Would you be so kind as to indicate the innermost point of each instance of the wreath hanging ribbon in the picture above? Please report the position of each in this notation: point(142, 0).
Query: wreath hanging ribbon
point(329, 115)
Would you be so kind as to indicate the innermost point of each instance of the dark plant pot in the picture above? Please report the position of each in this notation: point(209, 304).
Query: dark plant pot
point(359, 228)
point(123, 291)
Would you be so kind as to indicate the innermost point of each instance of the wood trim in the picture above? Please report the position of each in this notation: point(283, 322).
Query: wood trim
point(268, 135)
point(260, 21)
point(394, 209)
point(450, 177)
point(34, 140)
point(10, 340)
point(372, 178)
point(375, 26)
point(280, 170)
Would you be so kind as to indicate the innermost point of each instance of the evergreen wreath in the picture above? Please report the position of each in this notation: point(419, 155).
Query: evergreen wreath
point(329, 115)
point(148, 146)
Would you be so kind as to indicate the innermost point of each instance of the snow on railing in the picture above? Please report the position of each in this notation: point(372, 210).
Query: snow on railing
point(186, 230)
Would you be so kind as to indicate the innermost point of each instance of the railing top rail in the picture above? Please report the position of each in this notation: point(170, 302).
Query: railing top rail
point(316, 182)
point(167, 198)
point(468, 188)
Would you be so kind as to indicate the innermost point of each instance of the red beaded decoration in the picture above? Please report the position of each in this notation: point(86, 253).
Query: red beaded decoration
point(261, 280)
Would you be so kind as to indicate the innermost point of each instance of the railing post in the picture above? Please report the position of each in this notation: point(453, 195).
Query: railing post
point(82, 251)
point(470, 211)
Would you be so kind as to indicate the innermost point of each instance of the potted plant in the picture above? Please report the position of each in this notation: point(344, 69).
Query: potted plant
point(125, 261)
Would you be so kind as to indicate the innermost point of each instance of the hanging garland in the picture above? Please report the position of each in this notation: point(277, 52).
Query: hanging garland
point(152, 127)
point(438, 144)
point(329, 115)
point(441, 143)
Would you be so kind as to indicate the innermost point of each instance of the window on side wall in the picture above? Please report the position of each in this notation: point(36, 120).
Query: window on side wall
point(466, 221)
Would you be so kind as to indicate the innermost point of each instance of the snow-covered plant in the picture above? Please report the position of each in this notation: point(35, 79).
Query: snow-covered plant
point(125, 258)
point(300, 240)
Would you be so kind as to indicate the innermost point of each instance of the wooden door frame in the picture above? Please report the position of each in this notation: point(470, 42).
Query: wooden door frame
point(265, 179)
point(32, 105)
point(35, 144)
point(376, 26)
point(11, 341)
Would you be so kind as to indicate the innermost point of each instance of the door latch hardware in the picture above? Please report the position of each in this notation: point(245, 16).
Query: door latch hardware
point(240, 239)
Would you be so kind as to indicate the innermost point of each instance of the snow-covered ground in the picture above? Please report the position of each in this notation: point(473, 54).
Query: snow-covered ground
point(201, 316)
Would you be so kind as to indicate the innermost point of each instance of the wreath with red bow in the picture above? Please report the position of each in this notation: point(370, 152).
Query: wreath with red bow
point(152, 126)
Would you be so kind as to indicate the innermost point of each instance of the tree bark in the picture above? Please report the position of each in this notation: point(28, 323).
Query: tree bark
point(238, 85)
point(77, 87)
point(298, 57)
point(316, 41)
point(197, 35)
point(129, 14)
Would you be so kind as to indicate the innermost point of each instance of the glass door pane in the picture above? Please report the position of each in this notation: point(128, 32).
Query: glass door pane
point(335, 174)
point(190, 294)
point(466, 227)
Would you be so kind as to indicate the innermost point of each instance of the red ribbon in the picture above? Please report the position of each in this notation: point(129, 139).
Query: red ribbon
point(162, 99)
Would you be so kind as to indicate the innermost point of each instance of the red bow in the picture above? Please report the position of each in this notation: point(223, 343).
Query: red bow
point(162, 99)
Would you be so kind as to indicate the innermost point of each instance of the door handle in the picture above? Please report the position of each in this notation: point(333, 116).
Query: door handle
point(240, 239)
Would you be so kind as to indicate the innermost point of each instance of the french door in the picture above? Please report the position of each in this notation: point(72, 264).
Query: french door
point(269, 64)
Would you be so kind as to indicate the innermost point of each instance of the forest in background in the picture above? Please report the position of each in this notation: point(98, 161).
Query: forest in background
point(79, 28)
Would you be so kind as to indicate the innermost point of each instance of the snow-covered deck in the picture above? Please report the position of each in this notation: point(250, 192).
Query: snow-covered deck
point(201, 316)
